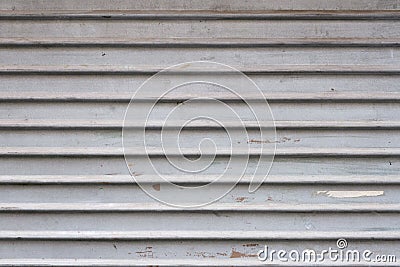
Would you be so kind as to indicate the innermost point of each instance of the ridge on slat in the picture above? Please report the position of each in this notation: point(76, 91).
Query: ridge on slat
point(113, 124)
point(199, 235)
point(159, 152)
point(126, 97)
point(131, 262)
point(223, 5)
point(245, 262)
point(266, 69)
point(198, 42)
point(203, 14)
point(187, 179)
point(228, 207)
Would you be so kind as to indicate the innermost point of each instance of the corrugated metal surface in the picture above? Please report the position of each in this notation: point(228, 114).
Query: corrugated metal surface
point(329, 69)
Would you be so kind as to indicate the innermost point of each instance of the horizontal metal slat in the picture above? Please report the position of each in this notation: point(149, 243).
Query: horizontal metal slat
point(198, 221)
point(241, 58)
point(301, 112)
point(199, 28)
point(190, 138)
point(269, 84)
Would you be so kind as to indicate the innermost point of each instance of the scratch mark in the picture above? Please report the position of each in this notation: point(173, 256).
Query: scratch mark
point(254, 141)
point(147, 253)
point(351, 194)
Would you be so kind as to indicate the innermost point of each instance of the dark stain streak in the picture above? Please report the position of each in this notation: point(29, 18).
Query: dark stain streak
point(253, 141)
point(219, 215)
point(251, 245)
point(147, 253)
point(282, 140)
point(156, 187)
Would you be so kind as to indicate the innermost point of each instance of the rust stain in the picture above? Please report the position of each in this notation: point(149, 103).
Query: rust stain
point(241, 199)
point(156, 187)
point(237, 254)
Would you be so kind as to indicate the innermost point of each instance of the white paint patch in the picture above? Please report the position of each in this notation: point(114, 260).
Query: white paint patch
point(351, 194)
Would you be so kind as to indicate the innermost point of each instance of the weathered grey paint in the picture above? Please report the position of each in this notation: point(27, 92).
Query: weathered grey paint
point(329, 69)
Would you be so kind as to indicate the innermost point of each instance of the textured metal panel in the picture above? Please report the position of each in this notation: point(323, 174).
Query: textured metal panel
point(329, 69)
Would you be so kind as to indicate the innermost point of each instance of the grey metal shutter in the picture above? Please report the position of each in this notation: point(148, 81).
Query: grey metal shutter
point(68, 68)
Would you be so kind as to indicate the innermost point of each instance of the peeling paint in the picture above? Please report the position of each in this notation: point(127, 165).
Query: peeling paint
point(241, 199)
point(350, 194)
point(237, 254)
point(204, 254)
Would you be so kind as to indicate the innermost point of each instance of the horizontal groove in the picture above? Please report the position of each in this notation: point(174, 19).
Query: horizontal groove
point(126, 97)
point(227, 207)
point(195, 179)
point(266, 69)
point(159, 152)
point(107, 124)
point(226, 262)
point(198, 235)
point(198, 42)
point(202, 14)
